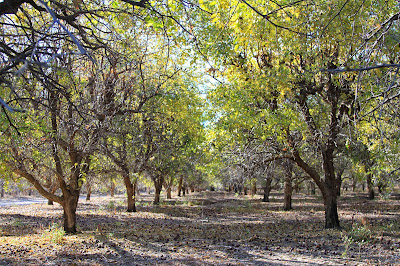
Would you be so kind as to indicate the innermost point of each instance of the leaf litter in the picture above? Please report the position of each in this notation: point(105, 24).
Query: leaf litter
point(209, 228)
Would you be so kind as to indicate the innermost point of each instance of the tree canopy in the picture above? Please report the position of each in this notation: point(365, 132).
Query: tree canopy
point(190, 92)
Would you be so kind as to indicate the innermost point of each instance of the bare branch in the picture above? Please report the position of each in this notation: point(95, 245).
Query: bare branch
point(341, 70)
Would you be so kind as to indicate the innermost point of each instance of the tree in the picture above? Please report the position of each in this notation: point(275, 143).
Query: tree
point(277, 73)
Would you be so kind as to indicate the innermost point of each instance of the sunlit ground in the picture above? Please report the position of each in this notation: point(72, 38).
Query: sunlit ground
point(213, 228)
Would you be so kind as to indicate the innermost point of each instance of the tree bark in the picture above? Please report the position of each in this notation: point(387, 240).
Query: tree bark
point(331, 213)
point(180, 186)
point(184, 189)
point(53, 190)
point(112, 188)
point(338, 182)
point(287, 205)
point(158, 182)
point(330, 191)
point(354, 182)
point(370, 187)
point(69, 205)
point(267, 189)
point(130, 191)
point(254, 188)
point(312, 187)
point(157, 196)
point(169, 192)
point(88, 191)
point(327, 186)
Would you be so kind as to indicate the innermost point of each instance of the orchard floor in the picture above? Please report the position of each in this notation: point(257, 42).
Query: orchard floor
point(209, 228)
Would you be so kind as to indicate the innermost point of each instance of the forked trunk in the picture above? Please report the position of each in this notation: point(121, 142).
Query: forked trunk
point(69, 205)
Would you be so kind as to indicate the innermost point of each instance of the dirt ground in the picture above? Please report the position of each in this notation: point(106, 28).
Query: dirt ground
point(209, 228)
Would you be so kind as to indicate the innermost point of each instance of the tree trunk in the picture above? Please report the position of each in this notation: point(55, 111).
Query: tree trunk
point(339, 186)
point(288, 186)
point(169, 194)
point(254, 188)
point(88, 191)
point(245, 190)
point(338, 182)
point(267, 189)
point(130, 191)
point(329, 191)
point(312, 187)
point(112, 189)
point(180, 186)
point(53, 190)
point(158, 181)
point(327, 186)
point(157, 196)
point(354, 183)
point(370, 187)
point(183, 189)
point(69, 205)
point(331, 213)
point(2, 190)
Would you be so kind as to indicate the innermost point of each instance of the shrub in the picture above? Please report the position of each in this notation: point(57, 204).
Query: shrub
point(55, 233)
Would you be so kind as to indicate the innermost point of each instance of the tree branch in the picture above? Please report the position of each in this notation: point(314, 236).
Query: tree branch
point(341, 70)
